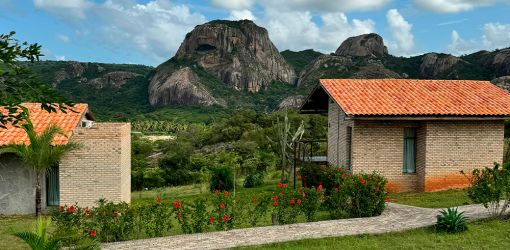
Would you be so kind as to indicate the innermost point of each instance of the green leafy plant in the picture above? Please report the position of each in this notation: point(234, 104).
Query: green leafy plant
point(311, 202)
point(451, 221)
point(40, 154)
point(154, 217)
point(287, 204)
point(193, 218)
point(367, 193)
point(222, 179)
point(313, 175)
point(256, 209)
point(489, 186)
point(253, 180)
point(224, 211)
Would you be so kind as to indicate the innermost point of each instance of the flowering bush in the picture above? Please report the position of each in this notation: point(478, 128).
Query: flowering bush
point(193, 218)
point(69, 219)
point(314, 175)
point(224, 211)
point(112, 222)
point(360, 195)
point(311, 199)
point(489, 186)
point(257, 209)
point(153, 218)
point(286, 203)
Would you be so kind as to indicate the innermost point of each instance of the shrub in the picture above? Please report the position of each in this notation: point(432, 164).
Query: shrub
point(367, 194)
point(222, 179)
point(311, 201)
point(224, 211)
point(286, 204)
point(253, 180)
point(257, 208)
point(451, 221)
point(152, 218)
point(313, 175)
point(489, 186)
point(112, 222)
point(193, 218)
point(69, 219)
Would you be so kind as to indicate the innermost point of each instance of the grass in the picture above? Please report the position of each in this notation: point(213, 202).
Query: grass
point(440, 199)
point(7, 241)
point(485, 234)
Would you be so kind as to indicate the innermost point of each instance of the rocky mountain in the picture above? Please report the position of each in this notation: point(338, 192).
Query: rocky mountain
point(180, 87)
point(502, 82)
point(434, 65)
point(364, 45)
point(113, 79)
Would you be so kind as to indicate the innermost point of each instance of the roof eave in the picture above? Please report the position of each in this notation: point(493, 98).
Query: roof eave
point(427, 117)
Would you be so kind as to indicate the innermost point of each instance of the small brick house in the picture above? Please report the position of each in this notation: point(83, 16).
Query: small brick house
point(418, 133)
point(100, 169)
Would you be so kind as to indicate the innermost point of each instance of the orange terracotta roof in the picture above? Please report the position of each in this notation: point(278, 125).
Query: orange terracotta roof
point(417, 97)
point(41, 119)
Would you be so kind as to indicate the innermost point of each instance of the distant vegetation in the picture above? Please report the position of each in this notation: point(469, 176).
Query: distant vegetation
point(300, 59)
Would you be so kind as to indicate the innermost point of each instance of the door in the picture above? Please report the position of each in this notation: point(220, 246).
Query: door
point(53, 186)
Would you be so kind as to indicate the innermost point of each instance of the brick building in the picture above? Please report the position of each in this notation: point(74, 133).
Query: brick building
point(417, 133)
point(100, 169)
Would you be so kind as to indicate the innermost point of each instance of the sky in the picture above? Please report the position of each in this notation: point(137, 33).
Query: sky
point(149, 32)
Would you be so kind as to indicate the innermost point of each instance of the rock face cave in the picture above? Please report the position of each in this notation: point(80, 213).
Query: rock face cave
point(205, 47)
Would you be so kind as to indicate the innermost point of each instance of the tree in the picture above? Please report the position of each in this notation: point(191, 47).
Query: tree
point(18, 85)
point(40, 154)
point(284, 144)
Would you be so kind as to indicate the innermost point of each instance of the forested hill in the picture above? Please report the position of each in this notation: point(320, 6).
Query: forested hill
point(208, 77)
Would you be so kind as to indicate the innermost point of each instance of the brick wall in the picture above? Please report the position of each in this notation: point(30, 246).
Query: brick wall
point(101, 168)
point(443, 149)
point(460, 145)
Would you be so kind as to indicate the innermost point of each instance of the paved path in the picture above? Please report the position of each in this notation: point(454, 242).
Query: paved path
point(396, 217)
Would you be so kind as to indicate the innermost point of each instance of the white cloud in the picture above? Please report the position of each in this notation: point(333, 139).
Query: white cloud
point(326, 6)
point(63, 38)
point(48, 55)
point(454, 6)
point(241, 15)
point(459, 46)
point(402, 41)
point(156, 29)
point(68, 9)
point(452, 22)
point(296, 31)
point(233, 4)
point(496, 35)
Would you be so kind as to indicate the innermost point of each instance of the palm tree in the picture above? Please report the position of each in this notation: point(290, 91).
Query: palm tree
point(40, 154)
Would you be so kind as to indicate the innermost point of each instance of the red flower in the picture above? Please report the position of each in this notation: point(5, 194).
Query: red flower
point(323, 166)
point(71, 209)
point(211, 219)
point(216, 192)
point(330, 171)
point(222, 206)
point(317, 173)
point(275, 198)
point(338, 169)
point(275, 203)
point(61, 207)
point(354, 206)
point(175, 202)
point(461, 171)
point(303, 195)
point(298, 201)
point(336, 189)
point(320, 183)
point(93, 233)
point(86, 230)
point(232, 196)
point(377, 188)
point(281, 192)
point(359, 178)
point(388, 199)
point(115, 214)
point(299, 189)
point(375, 179)
point(225, 218)
point(363, 182)
point(104, 213)
point(292, 202)
point(152, 202)
point(285, 185)
point(499, 170)
point(178, 205)
point(158, 200)
point(254, 201)
point(369, 177)
point(226, 193)
point(279, 185)
point(86, 211)
point(319, 188)
point(179, 215)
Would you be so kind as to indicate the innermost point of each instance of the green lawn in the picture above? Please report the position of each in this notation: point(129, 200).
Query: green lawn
point(440, 199)
point(432, 200)
point(7, 241)
point(486, 234)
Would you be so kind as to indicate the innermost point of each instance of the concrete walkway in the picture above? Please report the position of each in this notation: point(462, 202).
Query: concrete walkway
point(396, 217)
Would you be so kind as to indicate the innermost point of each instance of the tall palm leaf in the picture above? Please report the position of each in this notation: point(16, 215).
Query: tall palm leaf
point(40, 154)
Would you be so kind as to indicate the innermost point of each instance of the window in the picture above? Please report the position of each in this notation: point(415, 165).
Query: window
point(349, 148)
point(53, 186)
point(409, 150)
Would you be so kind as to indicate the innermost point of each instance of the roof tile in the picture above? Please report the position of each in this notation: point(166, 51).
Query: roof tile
point(417, 97)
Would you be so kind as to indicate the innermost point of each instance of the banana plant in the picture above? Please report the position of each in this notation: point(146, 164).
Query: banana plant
point(284, 143)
